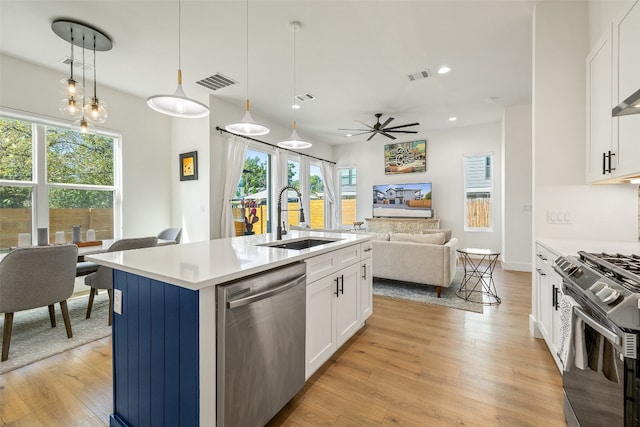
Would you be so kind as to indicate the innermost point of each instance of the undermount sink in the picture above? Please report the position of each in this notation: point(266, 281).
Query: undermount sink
point(299, 244)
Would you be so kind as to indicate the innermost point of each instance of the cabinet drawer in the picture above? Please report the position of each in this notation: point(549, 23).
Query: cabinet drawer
point(545, 256)
point(348, 256)
point(366, 250)
point(321, 265)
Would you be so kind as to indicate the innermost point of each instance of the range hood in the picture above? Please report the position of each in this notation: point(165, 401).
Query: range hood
point(631, 105)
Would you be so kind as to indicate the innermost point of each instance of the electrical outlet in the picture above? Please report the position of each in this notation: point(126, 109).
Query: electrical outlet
point(117, 301)
point(558, 217)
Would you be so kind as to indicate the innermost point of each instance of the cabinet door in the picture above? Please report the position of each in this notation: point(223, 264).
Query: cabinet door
point(627, 35)
point(556, 286)
point(321, 326)
point(599, 103)
point(366, 289)
point(347, 303)
point(544, 302)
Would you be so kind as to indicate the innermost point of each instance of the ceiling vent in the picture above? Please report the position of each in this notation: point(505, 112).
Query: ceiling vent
point(216, 81)
point(76, 63)
point(420, 75)
point(305, 97)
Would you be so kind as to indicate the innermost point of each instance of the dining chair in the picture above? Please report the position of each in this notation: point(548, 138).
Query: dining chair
point(174, 233)
point(36, 277)
point(103, 277)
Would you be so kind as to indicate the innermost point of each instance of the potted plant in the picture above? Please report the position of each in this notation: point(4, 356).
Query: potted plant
point(250, 215)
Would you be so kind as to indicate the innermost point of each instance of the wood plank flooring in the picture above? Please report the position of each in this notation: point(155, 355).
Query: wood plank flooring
point(412, 365)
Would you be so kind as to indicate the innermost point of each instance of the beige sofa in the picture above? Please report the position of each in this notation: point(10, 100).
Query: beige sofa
point(428, 258)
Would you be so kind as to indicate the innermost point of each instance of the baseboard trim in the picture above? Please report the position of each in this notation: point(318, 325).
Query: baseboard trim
point(516, 266)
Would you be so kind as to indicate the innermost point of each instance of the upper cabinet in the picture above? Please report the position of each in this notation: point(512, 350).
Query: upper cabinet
point(626, 79)
point(613, 73)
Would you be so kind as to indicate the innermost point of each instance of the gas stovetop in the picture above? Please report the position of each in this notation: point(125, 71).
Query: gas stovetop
point(610, 283)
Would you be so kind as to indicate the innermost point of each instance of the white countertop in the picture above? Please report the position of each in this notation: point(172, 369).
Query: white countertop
point(565, 247)
point(199, 265)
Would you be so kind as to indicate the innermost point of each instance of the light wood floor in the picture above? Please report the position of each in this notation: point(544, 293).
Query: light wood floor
point(412, 365)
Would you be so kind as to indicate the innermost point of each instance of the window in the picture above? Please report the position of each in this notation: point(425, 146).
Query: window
point(75, 184)
point(347, 195)
point(316, 197)
point(478, 189)
point(293, 204)
point(253, 197)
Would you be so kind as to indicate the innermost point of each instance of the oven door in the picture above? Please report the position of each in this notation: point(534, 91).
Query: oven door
point(594, 396)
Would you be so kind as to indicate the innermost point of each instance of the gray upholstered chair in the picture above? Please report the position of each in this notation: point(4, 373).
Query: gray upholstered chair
point(174, 234)
point(103, 277)
point(36, 277)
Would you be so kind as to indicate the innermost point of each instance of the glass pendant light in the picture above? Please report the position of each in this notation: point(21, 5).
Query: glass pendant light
point(247, 126)
point(72, 91)
point(96, 110)
point(294, 141)
point(178, 104)
point(83, 125)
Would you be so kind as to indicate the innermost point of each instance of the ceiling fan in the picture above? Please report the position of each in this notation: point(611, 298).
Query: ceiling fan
point(381, 128)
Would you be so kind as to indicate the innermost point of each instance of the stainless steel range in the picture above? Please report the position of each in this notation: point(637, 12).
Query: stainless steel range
point(605, 388)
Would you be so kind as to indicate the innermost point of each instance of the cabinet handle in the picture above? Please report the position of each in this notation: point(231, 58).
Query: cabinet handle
point(364, 271)
point(368, 249)
point(554, 294)
point(337, 279)
point(540, 272)
point(342, 284)
point(611, 155)
point(604, 163)
point(557, 306)
point(542, 257)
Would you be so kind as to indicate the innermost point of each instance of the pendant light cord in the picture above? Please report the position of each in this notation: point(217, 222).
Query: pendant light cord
point(247, 64)
point(295, 30)
point(83, 69)
point(95, 92)
point(179, 35)
point(72, 60)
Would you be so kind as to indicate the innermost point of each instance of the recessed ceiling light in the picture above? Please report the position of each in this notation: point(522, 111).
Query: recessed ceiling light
point(444, 69)
point(348, 135)
point(453, 119)
point(634, 181)
point(295, 106)
point(490, 98)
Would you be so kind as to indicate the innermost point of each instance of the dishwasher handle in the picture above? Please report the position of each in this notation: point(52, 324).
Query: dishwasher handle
point(266, 294)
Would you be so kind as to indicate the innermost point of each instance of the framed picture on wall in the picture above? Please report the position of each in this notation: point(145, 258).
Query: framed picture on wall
point(189, 166)
point(405, 157)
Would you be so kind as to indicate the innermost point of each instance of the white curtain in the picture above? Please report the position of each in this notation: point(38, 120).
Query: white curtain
point(330, 194)
point(236, 154)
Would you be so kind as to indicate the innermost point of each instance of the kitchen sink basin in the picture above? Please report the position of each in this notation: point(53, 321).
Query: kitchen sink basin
point(298, 244)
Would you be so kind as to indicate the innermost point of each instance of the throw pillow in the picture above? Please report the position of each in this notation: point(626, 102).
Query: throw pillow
point(447, 233)
point(431, 238)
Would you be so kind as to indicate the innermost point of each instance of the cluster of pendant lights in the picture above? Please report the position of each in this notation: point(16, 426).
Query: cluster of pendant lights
point(180, 105)
point(77, 103)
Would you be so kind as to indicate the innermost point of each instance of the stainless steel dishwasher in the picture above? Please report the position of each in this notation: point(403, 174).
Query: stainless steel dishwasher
point(260, 345)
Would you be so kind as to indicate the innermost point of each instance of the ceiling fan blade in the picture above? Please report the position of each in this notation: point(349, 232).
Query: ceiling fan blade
point(372, 135)
point(363, 123)
point(401, 131)
point(387, 135)
point(363, 130)
point(361, 133)
point(403, 126)
point(389, 120)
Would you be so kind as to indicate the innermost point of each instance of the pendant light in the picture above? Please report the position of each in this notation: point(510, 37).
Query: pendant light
point(294, 141)
point(247, 126)
point(178, 104)
point(76, 33)
point(96, 110)
point(83, 125)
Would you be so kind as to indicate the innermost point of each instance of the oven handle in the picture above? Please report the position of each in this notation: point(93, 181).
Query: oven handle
point(597, 326)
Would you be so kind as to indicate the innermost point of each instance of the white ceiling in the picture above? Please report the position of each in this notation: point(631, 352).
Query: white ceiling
point(354, 56)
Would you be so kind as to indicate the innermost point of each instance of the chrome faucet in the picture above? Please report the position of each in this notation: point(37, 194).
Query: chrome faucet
point(280, 229)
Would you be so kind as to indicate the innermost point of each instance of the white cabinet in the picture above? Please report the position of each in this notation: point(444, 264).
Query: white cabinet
point(366, 281)
point(601, 155)
point(335, 291)
point(626, 78)
point(548, 294)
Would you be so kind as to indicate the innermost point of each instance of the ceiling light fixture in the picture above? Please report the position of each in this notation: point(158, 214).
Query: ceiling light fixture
point(247, 126)
point(294, 141)
point(97, 109)
point(453, 119)
point(178, 104)
point(83, 125)
point(76, 33)
point(444, 69)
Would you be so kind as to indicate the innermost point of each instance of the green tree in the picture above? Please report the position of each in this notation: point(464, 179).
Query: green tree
point(315, 184)
point(16, 162)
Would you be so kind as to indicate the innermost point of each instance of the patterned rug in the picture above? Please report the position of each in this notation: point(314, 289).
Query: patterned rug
point(427, 294)
point(34, 339)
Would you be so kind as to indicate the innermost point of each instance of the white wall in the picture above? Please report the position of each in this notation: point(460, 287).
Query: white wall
point(445, 152)
point(608, 212)
point(517, 212)
point(146, 165)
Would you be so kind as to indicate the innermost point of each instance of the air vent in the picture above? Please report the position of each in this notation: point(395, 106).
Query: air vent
point(216, 81)
point(420, 75)
point(305, 97)
point(76, 63)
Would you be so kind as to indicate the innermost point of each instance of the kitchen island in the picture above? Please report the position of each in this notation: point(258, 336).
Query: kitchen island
point(164, 329)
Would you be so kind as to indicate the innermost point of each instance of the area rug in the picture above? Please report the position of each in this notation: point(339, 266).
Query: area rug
point(427, 294)
point(34, 339)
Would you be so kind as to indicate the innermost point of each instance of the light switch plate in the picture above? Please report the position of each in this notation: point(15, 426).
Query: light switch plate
point(117, 301)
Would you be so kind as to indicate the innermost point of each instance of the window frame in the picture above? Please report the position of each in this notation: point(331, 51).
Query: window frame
point(488, 168)
point(340, 188)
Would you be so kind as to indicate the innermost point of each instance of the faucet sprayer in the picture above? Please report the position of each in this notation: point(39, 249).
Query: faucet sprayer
point(281, 230)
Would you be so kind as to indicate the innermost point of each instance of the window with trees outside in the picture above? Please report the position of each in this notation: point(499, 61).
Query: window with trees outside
point(293, 203)
point(478, 191)
point(251, 206)
point(316, 197)
point(74, 183)
point(347, 195)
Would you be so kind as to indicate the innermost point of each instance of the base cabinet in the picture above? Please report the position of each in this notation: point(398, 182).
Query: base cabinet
point(335, 308)
point(549, 293)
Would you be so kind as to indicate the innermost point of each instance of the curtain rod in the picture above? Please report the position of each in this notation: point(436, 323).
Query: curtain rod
point(273, 145)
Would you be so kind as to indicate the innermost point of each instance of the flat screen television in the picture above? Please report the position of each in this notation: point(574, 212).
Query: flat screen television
point(403, 200)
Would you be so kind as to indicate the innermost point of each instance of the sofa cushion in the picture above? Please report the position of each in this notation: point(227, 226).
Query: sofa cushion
point(447, 233)
point(431, 238)
point(379, 236)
